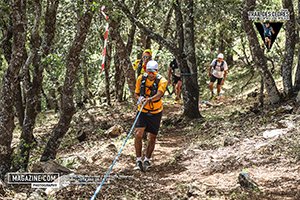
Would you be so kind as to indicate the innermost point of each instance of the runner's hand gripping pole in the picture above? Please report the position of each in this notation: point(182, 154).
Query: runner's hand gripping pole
point(140, 100)
point(119, 153)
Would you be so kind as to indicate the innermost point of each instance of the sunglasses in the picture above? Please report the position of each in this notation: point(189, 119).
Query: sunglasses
point(151, 72)
point(146, 57)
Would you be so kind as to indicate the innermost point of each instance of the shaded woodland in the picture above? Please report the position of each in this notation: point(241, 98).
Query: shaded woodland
point(51, 54)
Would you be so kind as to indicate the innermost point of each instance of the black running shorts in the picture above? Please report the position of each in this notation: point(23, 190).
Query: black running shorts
point(176, 79)
point(213, 79)
point(150, 121)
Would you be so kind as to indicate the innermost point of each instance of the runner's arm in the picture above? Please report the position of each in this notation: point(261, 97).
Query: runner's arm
point(136, 96)
point(137, 87)
point(272, 30)
point(160, 92)
point(209, 70)
point(157, 96)
point(225, 75)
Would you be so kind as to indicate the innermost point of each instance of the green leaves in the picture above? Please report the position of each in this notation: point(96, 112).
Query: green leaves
point(95, 6)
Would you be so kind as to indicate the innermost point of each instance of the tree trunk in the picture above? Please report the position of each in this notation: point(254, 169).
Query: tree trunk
point(6, 46)
point(106, 71)
point(86, 84)
point(119, 71)
point(146, 41)
point(119, 78)
point(187, 60)
point(78, 92)
point(130, 40)
point(33, 88)
point(297, 77)
point(19, 97)
point(261, 93)
point(48, 37)
point(190, 80)
point(19, 102)
point(67, 104)
point(229, 49)
point(32, 91)
point(189, 97)
point(290, 38)
point(258, 54)
point(124, 58)
point(213, 42)
point(221, 42)
point(8, 84)
point(50, 27)
point(6, 43)
point(165, 30)
point(178, 52)
point(51, 99)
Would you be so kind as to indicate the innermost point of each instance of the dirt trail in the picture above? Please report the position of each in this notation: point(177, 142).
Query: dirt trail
point(193, 159)
point(196, 163)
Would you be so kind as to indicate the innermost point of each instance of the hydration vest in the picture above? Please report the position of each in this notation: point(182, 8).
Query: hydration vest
point(221, 66)
point(153, 88)
point(151, 106)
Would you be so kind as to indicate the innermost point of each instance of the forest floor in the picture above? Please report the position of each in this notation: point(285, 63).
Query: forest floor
point(198, 159)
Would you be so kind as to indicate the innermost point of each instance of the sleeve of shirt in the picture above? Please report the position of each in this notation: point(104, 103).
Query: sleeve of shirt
point(225, 66)
point(135, 64)
point(138, 85)
point(213, 62)
point(162, 86)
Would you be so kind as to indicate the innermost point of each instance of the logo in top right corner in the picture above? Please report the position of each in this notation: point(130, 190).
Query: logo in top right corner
point(268, 32)
point(268, 23)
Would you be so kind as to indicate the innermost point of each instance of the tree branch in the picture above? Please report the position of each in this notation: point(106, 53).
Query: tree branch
point(158, 38)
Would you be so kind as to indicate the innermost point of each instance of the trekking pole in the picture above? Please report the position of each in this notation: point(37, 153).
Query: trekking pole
point(119, 153)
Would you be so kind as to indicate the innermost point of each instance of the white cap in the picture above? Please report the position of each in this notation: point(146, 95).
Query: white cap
point(152, 66)
point(220, 55)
